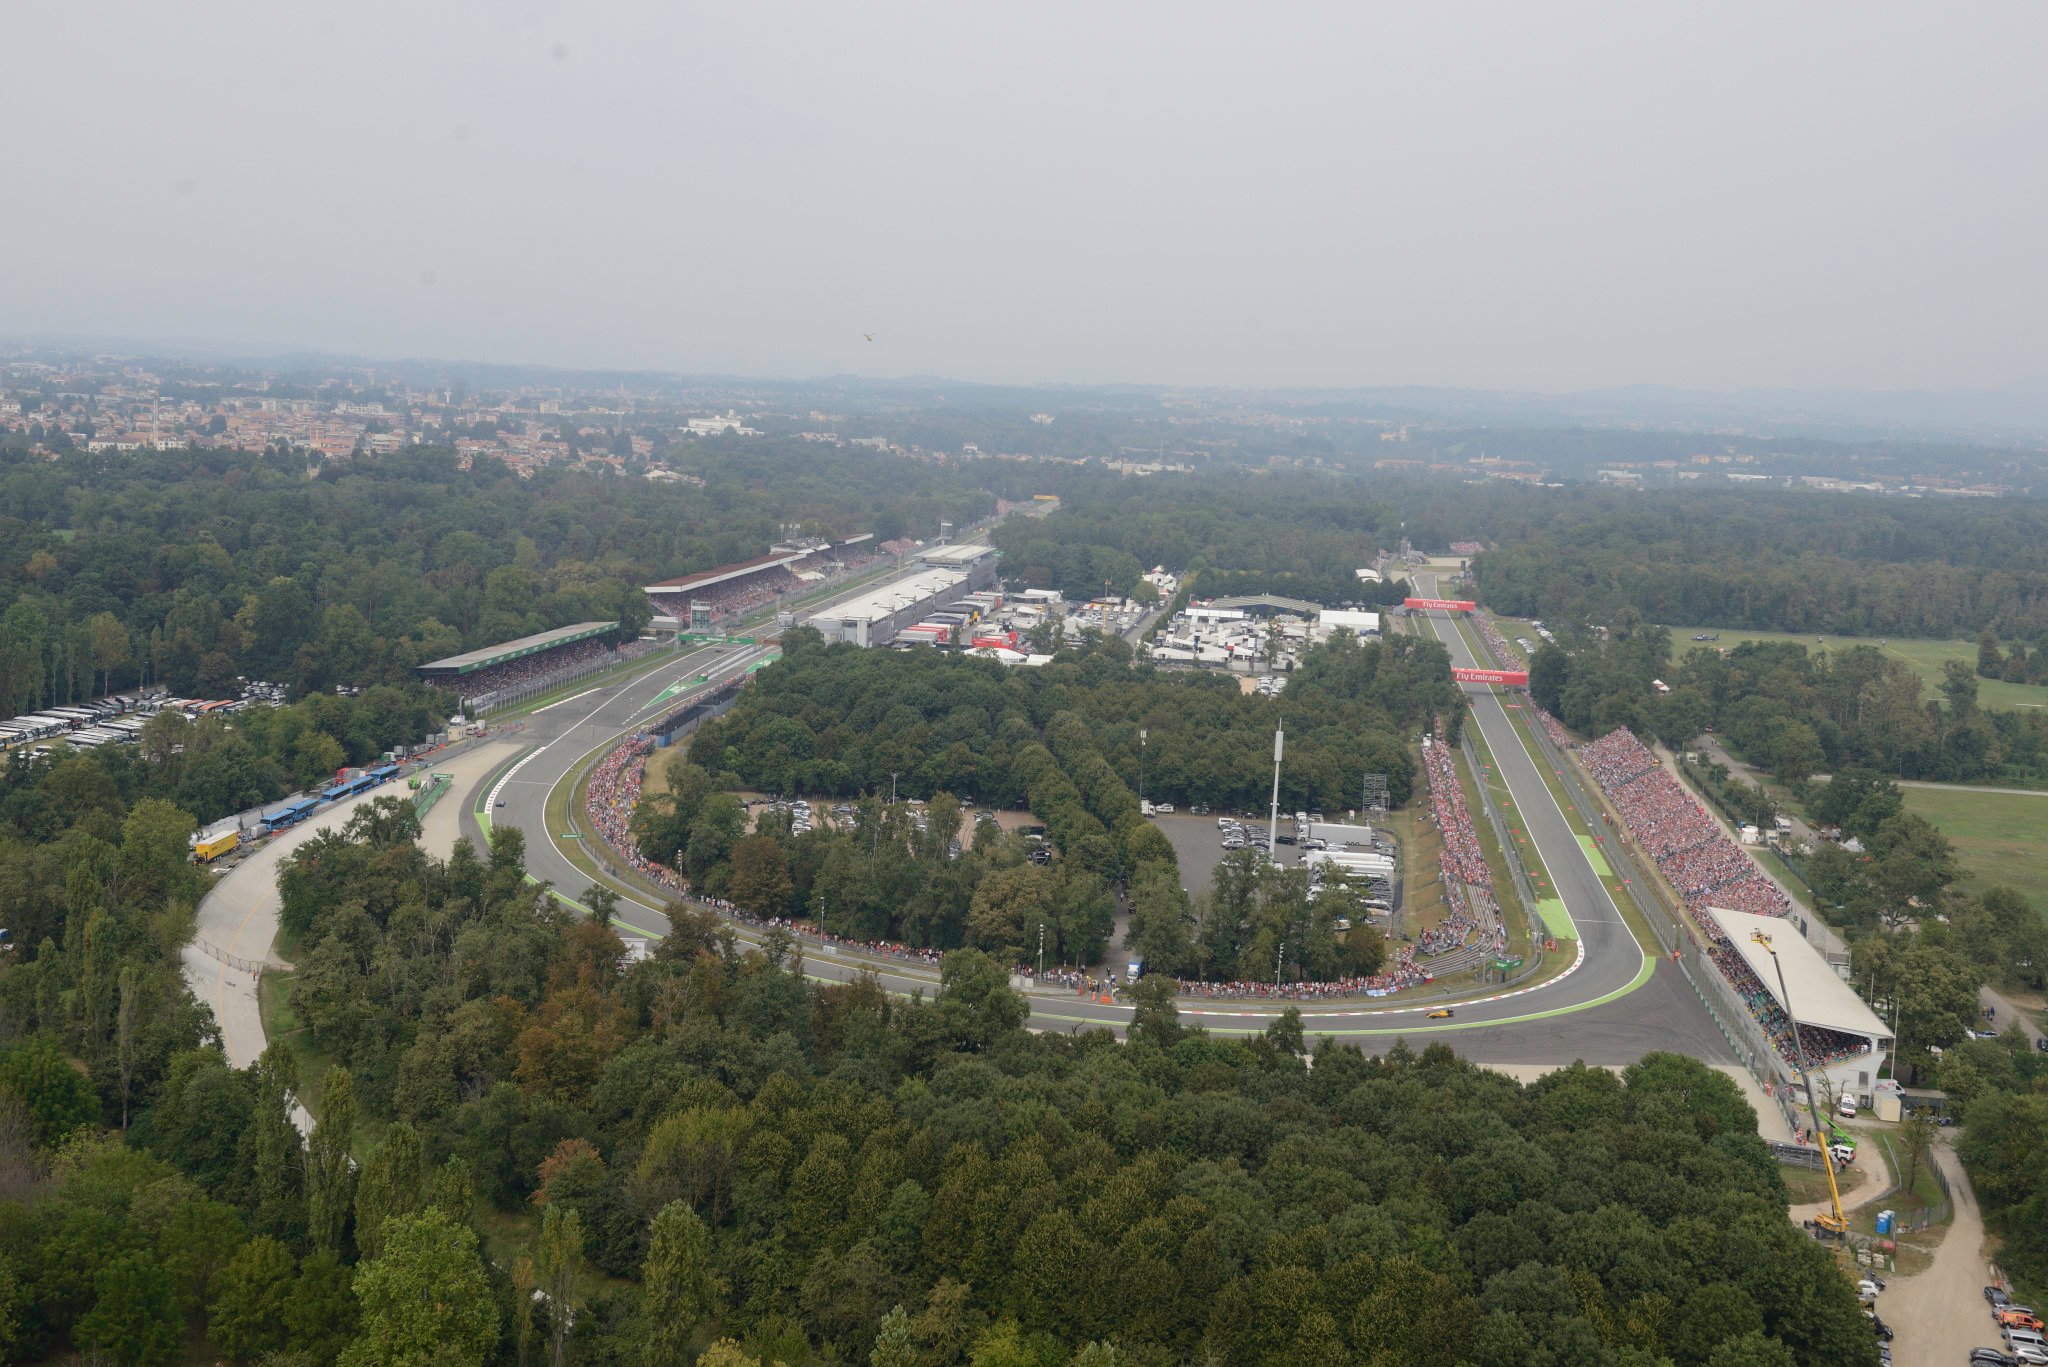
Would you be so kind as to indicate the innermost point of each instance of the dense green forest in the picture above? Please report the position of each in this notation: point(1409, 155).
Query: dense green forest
point(1769, 559)
point(836, 721)
point(1793, 711)
point(704, 1148)
point(1304, 536)
point(2002, 1087)
point(192, 568)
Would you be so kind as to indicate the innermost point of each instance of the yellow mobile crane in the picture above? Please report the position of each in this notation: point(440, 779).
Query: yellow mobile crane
point(1832, 1224)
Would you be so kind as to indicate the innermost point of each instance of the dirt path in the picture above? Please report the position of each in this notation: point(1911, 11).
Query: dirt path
point(1939, 1314)
point(1872, 1188)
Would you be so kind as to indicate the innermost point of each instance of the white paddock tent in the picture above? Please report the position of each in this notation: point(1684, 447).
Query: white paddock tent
point(1844, 1038)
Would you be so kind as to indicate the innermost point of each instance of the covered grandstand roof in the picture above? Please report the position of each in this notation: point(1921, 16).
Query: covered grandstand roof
point(707, 578)
point(893, 597)
point(1822, 997)
point(1271, 601)
point(964, 553)
point(473, 660)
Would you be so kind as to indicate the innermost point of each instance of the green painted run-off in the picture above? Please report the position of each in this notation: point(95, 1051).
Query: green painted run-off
point(1595, 857)
point(1555, 919)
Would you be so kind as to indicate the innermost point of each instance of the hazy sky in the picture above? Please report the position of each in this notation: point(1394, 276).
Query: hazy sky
point(1546, 196)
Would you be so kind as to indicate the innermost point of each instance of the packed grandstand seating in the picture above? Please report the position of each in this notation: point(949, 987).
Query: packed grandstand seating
point(749, 593)
point(1822, 1047)
point(1707, 869)
point(1553, 728)
point(1703, 865)
point(1616, 758)
point(485, 685)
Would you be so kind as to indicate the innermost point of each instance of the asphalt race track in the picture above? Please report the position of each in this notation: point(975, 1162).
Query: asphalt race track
point(1613, 1007)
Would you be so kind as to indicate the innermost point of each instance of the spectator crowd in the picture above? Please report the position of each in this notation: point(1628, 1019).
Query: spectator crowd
point(1707, 869)
point(1703, 865)
point(500, 682)
point(1822, 1046)
point(1504, 654)
point(1467, 881)
point(750, 593)
point(1552, 727)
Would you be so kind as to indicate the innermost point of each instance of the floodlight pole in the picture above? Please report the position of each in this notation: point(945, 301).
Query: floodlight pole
point(1273, 829)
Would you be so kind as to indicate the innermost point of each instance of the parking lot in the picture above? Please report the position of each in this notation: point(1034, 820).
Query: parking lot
point(1198, 843)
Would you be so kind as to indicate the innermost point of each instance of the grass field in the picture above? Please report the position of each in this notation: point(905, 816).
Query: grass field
point(1999, 837)
point(1924, 657)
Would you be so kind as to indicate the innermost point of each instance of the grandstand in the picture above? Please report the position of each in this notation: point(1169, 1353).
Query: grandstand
point(1843, 1037)
point(944, 575)
point(481, 673)
point(747, 586)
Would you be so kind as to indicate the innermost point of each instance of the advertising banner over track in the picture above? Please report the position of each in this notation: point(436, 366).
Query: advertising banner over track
point(1442, 604)
point(1514, 678)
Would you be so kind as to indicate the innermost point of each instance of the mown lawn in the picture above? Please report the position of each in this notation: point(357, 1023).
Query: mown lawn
point(1999, 837)
point(1925, 657)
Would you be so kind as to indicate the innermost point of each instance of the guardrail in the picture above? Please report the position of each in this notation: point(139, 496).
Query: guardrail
point(231, 960)
point(501, 699)
point(436, 788)
point(1524, 889)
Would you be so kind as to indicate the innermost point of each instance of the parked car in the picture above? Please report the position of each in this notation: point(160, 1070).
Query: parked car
point(1997, 1296)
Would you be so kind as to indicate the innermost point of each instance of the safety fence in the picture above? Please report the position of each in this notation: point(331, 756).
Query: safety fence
point(1743, 1032)
point(431, 792)
point(231, 960)
point(1927, 1216)
point(1524, 892)
point(485, 704)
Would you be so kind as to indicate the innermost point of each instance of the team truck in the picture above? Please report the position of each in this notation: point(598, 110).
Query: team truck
point(208, 848)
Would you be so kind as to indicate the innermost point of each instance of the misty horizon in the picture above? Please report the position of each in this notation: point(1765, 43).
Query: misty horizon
point(1582, 199)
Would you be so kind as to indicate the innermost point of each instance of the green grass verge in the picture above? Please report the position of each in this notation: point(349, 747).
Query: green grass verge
point(1497, 788)
point(1617, 891)
point(1999, 837)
